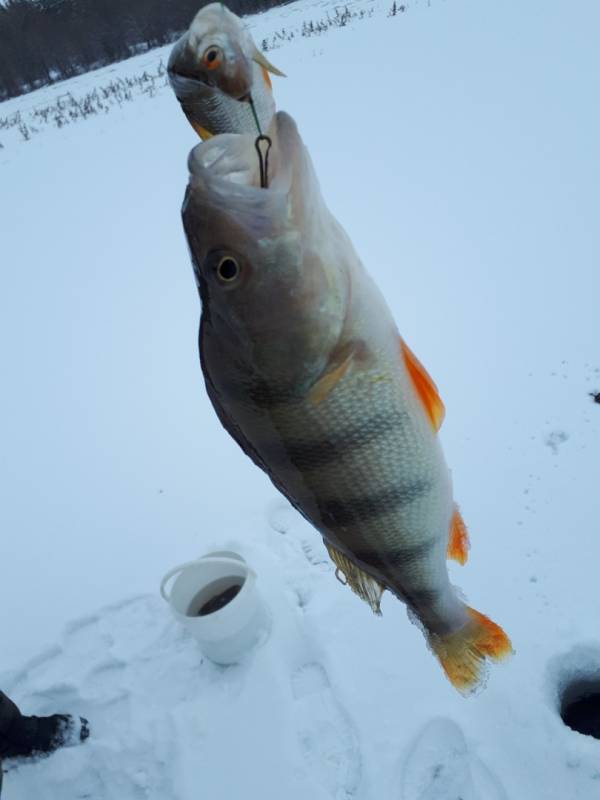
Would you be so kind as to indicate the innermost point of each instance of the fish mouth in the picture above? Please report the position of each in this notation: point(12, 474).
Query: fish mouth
point(225, 174)
point(183, 73)
point(181, 78)
point(185, 83)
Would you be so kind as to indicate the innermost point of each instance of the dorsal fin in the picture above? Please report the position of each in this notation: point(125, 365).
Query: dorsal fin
point(424, 387)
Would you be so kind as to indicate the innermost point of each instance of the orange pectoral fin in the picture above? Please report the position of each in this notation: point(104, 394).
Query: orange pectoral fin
point(326, 382)
point(458, 539)
point(202, 132)
point(267, 79)
point(424, 387)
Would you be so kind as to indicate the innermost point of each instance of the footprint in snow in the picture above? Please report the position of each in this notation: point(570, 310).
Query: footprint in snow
point(281, 516)
point(326, 735)
point(440, 766)
point(134, 675)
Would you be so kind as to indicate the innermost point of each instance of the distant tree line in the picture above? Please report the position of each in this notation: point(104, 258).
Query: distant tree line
point(43, 41)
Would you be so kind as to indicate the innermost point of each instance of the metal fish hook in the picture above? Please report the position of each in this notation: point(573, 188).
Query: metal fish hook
point(339, 574)
point(263, 159)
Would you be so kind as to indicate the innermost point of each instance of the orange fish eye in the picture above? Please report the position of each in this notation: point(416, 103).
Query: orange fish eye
point(212, 57)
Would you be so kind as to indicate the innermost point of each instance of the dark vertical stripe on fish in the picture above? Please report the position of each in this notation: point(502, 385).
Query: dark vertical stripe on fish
point(369, 507)
point(397, 556)
point(308, 455)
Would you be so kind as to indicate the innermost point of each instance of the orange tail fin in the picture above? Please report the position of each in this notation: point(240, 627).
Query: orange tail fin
point(462, 654)
point(458, 539)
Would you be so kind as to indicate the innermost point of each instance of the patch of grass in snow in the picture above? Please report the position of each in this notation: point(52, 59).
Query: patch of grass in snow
point(68, 109)
point(317, 27)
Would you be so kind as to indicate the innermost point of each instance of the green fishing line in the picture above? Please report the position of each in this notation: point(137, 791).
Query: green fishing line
point(255, 115)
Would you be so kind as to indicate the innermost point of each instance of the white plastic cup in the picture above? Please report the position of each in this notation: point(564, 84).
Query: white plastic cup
point(226, 633)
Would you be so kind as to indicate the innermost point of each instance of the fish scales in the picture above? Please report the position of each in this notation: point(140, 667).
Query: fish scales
point(372, 501)
point(305, 367)
point(215, 112)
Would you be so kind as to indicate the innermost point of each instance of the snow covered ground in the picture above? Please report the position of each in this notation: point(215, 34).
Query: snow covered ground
point(458, 143)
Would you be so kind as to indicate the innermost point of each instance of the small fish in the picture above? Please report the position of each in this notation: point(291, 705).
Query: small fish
point(305, 368)
point(217, 73)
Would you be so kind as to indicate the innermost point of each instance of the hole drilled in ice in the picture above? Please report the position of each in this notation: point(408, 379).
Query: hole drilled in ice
point(580, 706)
point(575, 678)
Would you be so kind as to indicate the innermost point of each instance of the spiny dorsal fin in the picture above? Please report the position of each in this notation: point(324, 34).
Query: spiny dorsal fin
point(424, 387)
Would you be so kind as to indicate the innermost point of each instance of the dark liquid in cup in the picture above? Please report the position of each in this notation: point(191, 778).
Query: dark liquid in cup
point(219, 601)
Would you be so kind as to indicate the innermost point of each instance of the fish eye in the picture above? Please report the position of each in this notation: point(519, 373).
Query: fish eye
point(212, 57)
point(228, 269)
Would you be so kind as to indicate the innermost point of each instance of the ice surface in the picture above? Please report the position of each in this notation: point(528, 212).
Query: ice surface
point(457, 143)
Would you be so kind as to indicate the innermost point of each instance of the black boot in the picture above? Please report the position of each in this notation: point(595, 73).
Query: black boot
point(26, 736)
